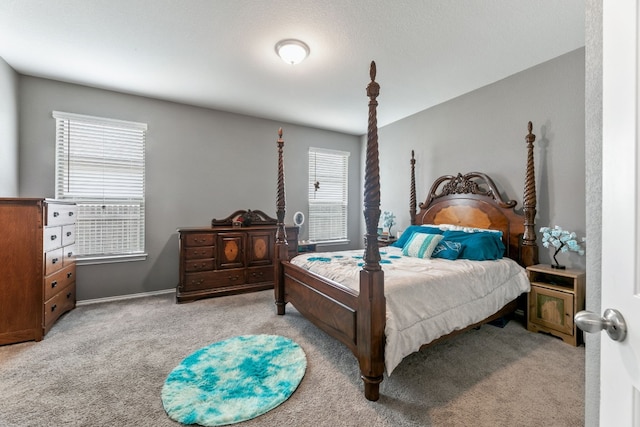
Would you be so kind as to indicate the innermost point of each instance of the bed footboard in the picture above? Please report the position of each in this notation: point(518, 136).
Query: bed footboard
point(355, 319)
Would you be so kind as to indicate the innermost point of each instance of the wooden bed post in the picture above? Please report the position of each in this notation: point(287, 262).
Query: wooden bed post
point(371, 301)
point(281, 234)
point(529, 254)
point(412, 191)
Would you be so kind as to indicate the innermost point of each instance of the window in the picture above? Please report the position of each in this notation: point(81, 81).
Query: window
point(100, 166)
point(328, 179)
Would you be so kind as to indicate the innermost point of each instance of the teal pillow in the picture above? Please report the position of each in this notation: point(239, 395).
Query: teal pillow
point(421, 245)
point(479, 246)
point(406, 235)
point(447, 250)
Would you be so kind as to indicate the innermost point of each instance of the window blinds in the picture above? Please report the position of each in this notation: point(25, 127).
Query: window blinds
point(100, 165)
point(328, 197)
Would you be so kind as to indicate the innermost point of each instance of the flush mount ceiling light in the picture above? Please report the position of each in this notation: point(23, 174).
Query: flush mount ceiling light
point(292, 51)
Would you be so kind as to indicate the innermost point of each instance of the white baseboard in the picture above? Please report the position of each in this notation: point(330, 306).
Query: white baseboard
point(125, 297)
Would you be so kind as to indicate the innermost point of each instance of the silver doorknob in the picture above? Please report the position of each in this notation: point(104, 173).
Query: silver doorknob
point(612, 321)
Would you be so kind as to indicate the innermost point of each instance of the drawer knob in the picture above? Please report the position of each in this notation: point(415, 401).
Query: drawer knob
point(70, 213)
point(54, 284)
point(53, 308)
point(54, 237)
point(69, 294)
point(53, 261)
point(56, 214)
point(69, 254)
point(69, 275)
point(68, 233)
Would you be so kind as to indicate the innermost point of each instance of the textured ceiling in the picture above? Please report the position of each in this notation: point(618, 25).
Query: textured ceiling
point(220, 53)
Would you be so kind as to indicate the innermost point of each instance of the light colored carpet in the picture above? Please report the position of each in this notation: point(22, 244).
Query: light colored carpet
point(105, 364)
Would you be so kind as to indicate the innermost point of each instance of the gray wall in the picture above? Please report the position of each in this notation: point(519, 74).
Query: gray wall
point(485, 131)
point(201, 164)
point(8, 131)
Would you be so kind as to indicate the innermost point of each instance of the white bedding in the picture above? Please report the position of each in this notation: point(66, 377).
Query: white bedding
point(426, 298)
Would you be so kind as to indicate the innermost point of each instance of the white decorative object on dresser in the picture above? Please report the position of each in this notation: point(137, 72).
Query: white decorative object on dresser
point(37, 266)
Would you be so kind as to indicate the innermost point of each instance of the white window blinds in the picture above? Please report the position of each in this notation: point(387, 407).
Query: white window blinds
point(100, 165)
point(328, 183)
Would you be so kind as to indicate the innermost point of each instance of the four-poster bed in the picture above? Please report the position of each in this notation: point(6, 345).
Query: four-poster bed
point(357, 315)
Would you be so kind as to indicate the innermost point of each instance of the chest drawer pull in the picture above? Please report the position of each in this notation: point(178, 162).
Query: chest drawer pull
point(69, 294)
point(71, 213)
point(54, 237)
point(54, 284)
point(53, 261)
point(56, 214)
point(53, 308)
point(69, 275)
point(68, 233)
point(197, 282)
point(69, 254)
point(234, 277)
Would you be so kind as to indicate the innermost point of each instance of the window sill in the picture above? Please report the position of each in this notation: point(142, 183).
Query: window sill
point(90, 260)
point(331, 242)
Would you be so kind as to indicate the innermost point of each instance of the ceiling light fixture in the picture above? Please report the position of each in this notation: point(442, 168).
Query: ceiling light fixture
point(292, 51)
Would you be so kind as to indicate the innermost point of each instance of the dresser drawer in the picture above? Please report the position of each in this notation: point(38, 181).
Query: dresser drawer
point(260, 274)
point(52, 238)
point(213, 279)
point(68, 234)
point(68, 255)
point(59, 304)
point(59, 280)
point(60, 214)
point(200, 239)
point(199, 252)
point(199, 265)
point(53, 261)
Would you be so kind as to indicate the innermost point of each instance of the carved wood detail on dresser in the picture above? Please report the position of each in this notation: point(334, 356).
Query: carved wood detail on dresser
point(38, 266)
point(225, 259)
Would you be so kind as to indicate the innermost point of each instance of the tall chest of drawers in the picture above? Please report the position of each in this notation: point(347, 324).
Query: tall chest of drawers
point(37, 266)
point(216, 261)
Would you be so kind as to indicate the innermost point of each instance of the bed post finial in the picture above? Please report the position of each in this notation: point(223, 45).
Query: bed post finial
point(372, 179)
point(412, 191)
point(529, 245)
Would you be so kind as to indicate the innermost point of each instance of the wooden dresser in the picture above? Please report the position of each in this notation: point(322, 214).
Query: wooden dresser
point(225, 259)
point(37, 266)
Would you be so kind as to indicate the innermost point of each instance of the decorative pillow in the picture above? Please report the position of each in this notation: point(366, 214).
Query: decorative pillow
point(447, 250)
point(421, 245)
point(478, 246)
point(453, 227)
point(406, 234)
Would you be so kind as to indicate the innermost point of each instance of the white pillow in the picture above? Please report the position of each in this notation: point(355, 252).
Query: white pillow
point(453, 227)
point(421, 245)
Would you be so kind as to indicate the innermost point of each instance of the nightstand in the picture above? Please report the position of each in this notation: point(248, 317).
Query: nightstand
point(555, 298)
point(385, 242)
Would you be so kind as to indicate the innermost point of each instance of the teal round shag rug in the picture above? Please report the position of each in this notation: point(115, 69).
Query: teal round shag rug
point(233, 380)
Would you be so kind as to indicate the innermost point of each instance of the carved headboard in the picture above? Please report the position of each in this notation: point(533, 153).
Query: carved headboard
point(472, 200)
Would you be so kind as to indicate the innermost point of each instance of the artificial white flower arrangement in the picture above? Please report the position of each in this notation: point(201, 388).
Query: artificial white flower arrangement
point(562, 241)
point(388, 220)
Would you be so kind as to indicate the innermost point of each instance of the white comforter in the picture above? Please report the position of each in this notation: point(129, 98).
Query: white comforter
point(426, 298)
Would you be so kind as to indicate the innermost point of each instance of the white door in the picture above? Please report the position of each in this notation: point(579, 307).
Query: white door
point(620, 360)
